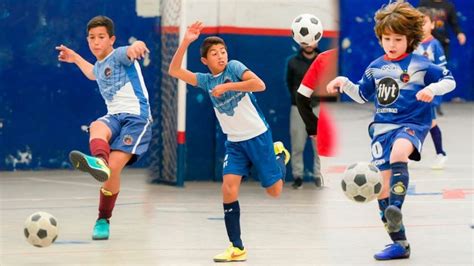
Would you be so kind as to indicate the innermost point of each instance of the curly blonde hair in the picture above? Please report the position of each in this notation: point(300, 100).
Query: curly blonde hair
point(400, 18)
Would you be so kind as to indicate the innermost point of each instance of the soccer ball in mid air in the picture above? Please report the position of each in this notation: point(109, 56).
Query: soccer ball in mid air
point(41, 229)
point(362, 182)
point(306, 29)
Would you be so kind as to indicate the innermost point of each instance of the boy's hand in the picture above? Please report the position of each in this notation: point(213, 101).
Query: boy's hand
point(66, 54)
point(425, 95)
point(219, 90)
point(193, 31)
point(336, 85)
point(137, 50)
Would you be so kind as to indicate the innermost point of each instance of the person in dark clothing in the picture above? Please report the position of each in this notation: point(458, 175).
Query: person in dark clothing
point(445, 14)
point(296, 68)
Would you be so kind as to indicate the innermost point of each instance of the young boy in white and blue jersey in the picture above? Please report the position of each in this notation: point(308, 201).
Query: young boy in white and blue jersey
point(121, 136)
point(431, 48)
point(249, 140)
point(403, 85)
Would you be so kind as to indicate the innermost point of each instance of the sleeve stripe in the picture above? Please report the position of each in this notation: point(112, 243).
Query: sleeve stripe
point(306, 91)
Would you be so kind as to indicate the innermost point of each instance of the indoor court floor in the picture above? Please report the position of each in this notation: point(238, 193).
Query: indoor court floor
point(164, 225)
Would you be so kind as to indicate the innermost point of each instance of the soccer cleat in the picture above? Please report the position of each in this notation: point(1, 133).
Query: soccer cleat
point(279, 148)
point(90, 164)
point(394, 218)
point(319, 181)
point(101, 230)
point(440, 161)
point(298, 183)
point(231, 254)
point(393, 251)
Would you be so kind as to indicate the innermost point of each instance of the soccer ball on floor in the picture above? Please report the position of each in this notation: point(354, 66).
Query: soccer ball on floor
point(41, 229)
point(362, 182)
point(306, 29)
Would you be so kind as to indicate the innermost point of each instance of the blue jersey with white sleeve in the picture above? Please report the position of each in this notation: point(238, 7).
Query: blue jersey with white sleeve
point(432, 49)
point(121, 84)
point(394, 85)
point(237, 112)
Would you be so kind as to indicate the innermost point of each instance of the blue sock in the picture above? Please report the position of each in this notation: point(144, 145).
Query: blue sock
point(437, 140)
point(396, 236)
point(232, 223)
point(383, 204)
point(398, 189)
point(281, 163)
point(398, 183)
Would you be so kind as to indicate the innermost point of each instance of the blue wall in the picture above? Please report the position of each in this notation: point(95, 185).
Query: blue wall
point(43, 103)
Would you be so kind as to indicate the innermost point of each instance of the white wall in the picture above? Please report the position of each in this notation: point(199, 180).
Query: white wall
point(272, 14)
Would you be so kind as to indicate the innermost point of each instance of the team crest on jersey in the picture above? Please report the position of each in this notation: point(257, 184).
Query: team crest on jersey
point(387, 91)
point(107, 72)
point(127, 140)
point(404, 77)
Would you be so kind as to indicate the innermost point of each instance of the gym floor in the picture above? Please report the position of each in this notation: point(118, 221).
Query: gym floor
point(163, 225)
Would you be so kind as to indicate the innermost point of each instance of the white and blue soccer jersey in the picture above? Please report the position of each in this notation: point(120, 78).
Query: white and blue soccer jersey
point(237, 112)
point(432, 49)
point(121, 84)
point(394, 84)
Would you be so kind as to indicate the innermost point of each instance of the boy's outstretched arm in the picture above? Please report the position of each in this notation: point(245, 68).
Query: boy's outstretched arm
point(70, 56)
point(175, 69)
point(343, 84)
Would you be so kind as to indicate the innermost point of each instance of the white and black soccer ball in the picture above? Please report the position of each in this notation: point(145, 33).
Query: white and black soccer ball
point(362, 182)
point(41, 229)
point(307, 29)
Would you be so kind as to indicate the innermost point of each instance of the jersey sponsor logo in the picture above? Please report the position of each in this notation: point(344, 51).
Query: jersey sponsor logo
point(107, 72)
point(390, 67)
point(387, 110)
point(127, 140)
point(387, 91)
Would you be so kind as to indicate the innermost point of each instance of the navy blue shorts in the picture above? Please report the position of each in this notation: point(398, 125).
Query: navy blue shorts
point(382, 144)
point(259, 152)
point(130, 133)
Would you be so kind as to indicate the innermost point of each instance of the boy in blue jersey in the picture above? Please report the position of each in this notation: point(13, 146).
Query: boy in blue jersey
point(404, 84)
point(249, 140)
point(432, 49)
point(123, 135)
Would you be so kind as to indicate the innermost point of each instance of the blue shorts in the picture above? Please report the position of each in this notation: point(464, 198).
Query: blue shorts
point(130, 133)
point(433, 112)
point(258, 151)
point(382, 144)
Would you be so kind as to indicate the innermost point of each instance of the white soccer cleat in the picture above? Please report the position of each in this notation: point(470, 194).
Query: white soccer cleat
point(440, 161)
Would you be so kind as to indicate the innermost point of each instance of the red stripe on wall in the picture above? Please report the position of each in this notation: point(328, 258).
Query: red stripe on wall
point(258, 31)
point(181, 137)
point(247, 31)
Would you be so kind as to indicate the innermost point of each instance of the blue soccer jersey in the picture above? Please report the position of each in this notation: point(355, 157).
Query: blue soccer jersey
point(394, 84)
point(237, 112)
point(432, 49)
point(121, 84)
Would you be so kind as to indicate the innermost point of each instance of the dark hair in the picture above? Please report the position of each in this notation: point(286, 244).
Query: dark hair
point(428, 12)
point(400, 18)
point(99, 21)
point(208, 42)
